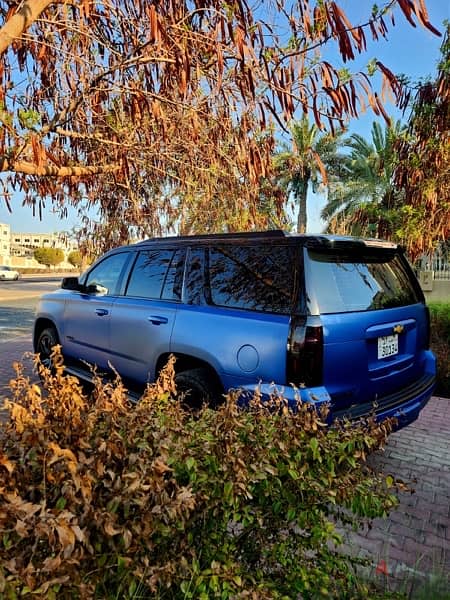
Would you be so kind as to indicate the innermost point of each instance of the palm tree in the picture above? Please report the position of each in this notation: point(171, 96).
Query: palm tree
point(312, 160)
point(364, 196)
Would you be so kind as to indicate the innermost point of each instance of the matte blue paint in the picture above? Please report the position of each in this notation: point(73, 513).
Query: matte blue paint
point(248, 350)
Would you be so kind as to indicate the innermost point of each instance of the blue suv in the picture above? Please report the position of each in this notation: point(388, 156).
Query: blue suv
point(327, 319)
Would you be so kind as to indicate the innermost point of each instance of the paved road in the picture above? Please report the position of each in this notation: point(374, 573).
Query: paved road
point(16, 317)
point(18, 301)
point(415, 540)
point(27, 287)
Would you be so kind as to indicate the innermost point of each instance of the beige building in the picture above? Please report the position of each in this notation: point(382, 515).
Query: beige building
point(17, 249)
point(24, 244)
point(5, 244)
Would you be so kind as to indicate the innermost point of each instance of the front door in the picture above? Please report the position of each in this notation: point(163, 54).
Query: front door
point(87, 314)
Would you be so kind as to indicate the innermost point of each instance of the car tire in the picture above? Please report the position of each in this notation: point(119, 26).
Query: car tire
point(46, 340)
point(197, 387)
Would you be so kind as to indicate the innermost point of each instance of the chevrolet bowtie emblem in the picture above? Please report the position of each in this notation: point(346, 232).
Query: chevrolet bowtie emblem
point(398, 329)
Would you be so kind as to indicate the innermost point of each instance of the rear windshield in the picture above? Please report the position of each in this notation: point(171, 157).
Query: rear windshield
point(341, 282)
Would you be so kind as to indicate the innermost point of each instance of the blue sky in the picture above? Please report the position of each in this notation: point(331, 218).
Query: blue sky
point(413, 52)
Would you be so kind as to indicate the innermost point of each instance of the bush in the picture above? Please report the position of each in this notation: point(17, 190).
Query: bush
point(440, 344)
point(103, 500)
point(75, 258)
point(49, 256)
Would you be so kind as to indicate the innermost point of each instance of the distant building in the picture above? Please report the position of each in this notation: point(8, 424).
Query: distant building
point(5, 244)
point(24, 244)
point(17, 249)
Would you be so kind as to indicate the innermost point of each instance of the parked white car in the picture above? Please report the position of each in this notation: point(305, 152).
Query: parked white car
point(8, 273)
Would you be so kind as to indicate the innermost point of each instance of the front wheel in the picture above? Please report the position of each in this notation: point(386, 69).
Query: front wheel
point(46, 340)
point(197, 387)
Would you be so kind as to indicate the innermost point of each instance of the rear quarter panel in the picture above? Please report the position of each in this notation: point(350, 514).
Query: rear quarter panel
point(242, 346)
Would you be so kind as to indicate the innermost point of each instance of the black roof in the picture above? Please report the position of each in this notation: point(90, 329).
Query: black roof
point(309, 240)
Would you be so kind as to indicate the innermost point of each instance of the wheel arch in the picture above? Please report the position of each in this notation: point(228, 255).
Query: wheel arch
point(40, 324)
point(186, 362)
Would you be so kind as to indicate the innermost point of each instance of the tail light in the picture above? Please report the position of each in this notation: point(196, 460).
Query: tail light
point(305, 352)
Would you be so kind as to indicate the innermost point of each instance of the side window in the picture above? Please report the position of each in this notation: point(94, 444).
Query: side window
point(174, 277)
point(106, 274)
point(156, 275)
point(259, 278)
point(195, 277)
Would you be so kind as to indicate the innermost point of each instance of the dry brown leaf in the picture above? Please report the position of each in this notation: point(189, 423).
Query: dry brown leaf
point(6, 463)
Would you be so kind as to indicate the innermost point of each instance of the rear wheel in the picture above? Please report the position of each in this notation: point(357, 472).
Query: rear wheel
point(47, 339)
point(198, 388)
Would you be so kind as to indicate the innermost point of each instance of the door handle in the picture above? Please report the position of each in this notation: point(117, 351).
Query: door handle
point(156, 320)
point(101, 312)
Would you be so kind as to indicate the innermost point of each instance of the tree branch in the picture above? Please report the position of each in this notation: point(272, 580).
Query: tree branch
point(28, 168)
point(20, 21)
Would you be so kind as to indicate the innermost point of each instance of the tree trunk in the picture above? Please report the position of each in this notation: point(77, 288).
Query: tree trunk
point(20, 21)
point(302, 192)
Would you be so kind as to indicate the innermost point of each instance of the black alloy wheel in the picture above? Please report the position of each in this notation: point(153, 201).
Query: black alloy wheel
point(47, 339)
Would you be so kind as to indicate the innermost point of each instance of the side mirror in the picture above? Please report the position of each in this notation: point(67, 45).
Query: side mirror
point(70, 283)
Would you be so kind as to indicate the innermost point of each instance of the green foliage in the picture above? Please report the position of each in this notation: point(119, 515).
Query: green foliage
point(422, 170)
point(49, 256)
point(99, 499)
point(363, 196)
point(75, 258)
point(345, 75)
point(312, 160)
point(372, 67)
point(440, 318)
point(440, 344)
point(28, 119)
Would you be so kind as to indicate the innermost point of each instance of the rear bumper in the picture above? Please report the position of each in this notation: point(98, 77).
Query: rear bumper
point(405, 404)
point(317, 395)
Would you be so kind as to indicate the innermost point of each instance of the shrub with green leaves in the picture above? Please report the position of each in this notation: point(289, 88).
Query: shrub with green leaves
point(75, 258)
point(100, 499)
point(440, 344)
point(49, 257)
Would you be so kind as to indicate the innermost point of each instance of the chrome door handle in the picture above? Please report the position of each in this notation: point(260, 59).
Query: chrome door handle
point(156, 320)
point(101, 312)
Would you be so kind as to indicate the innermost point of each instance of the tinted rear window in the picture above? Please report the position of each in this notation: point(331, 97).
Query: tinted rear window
point(342, 282)
point(259, 278)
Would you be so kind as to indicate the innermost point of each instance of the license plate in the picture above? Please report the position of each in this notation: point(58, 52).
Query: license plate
point(387, 346)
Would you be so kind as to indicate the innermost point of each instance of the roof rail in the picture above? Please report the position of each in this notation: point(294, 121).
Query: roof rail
point(272, 233)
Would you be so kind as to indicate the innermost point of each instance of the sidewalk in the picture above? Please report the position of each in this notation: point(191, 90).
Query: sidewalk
point(13, 351)
point(414, 541)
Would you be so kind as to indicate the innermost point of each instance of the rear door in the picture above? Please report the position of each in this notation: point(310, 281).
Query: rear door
point(374, 321)
point(236, 311)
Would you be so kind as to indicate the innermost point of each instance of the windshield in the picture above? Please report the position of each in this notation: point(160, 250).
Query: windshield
point(346, 282)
